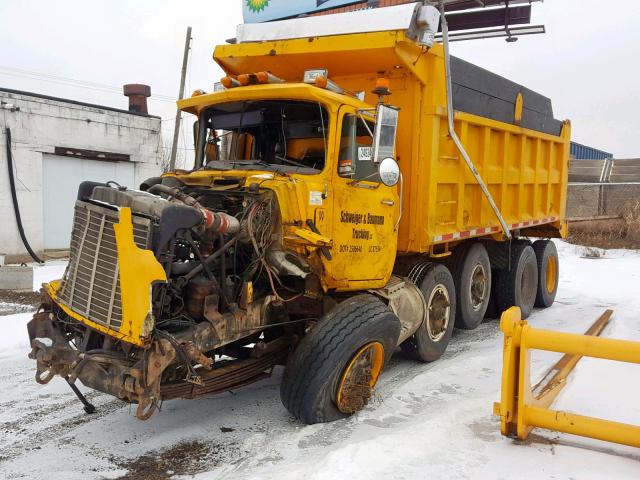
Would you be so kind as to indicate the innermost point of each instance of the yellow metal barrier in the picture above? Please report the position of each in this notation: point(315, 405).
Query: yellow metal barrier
point(523, 408)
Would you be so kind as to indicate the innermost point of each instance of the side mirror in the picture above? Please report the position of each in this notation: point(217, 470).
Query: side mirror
point(389, 171)
point(384, 137)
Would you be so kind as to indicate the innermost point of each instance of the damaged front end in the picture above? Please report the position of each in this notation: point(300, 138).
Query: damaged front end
point(139, 375)
point(171, 294)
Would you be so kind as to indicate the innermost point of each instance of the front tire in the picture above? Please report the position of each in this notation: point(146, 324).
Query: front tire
point(334, 369)
point(430, 341)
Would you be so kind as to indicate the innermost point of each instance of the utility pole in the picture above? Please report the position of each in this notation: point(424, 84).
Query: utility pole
point(176, 131)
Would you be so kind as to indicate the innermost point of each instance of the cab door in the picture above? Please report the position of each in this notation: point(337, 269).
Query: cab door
point(365, 211)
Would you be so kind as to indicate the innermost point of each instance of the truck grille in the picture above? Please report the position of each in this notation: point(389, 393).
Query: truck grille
point(91, 283)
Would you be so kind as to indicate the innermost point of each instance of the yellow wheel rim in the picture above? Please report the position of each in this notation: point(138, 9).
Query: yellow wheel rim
point(359, 377)
point(552, 274)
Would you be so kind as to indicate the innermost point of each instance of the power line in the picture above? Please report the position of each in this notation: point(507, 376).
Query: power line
point(83, 83)
point(179, 148)
point(17, 72)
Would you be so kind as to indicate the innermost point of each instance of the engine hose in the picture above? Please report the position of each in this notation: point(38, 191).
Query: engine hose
point(217, 222)
point(223, 274)
point(14, 196)
point(221, 251)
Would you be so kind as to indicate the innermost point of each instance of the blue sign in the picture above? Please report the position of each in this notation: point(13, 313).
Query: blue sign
point(257, 11)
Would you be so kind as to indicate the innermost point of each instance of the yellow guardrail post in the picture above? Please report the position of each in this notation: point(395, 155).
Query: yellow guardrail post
point(511, 325)
point(522, 408)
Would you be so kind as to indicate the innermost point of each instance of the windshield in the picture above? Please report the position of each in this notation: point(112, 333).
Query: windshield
point(278, 135)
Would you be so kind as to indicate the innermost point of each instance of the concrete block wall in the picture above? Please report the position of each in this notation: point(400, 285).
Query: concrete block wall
point(18, 278)
point(627, 170)
point(595, 200)
point(583, 201)
point(621, 199)
point(39, 124)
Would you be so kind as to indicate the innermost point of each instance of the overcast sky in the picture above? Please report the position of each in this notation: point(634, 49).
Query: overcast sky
point(588, 62)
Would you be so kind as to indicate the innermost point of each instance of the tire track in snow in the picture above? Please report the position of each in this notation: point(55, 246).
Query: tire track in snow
point(35, 417)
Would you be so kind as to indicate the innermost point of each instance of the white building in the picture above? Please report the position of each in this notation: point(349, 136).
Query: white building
point(55, 145)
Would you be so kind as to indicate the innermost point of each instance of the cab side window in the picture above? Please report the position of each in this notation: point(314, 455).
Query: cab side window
point(356, 149)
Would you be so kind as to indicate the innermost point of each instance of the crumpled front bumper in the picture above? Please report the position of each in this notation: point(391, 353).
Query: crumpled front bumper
point(134, 379)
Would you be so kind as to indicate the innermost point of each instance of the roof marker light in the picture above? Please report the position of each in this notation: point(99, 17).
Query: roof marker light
point(266, 77)
point(325, 83)
point(320, 78)
point(311, 75)
point(259, 78)
point(230, 82)
point(244, 80)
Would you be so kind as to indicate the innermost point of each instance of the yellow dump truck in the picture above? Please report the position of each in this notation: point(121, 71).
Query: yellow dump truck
point(352, 193)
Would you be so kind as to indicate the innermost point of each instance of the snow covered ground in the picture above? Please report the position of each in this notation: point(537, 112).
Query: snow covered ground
point(428, 421)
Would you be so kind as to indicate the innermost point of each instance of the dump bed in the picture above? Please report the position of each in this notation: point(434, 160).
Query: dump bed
point(520, 150)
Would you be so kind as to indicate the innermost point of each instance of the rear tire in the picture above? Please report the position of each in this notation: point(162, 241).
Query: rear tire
point(548, 272)
point(471, 271)
point(492, 312)
point(324, 360)
point(432, 338)
point(518, 286)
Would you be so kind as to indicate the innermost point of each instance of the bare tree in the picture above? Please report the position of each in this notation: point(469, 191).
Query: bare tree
point(165, 157)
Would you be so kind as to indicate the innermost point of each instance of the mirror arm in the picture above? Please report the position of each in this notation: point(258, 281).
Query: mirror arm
point(356, 183)
point(401, 202)
point(364, 122)
point(359, 184)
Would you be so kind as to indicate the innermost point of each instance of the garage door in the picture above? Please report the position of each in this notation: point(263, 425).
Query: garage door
point(61, 178)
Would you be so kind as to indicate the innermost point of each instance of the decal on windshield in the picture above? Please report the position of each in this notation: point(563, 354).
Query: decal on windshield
point(365, 154)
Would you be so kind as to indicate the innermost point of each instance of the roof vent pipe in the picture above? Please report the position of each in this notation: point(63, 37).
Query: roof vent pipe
point(138, 95)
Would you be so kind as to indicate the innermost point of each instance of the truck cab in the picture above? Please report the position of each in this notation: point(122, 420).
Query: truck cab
point(329, 161)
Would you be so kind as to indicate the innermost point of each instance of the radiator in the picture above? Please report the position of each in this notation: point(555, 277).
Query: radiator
point(91, 283)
